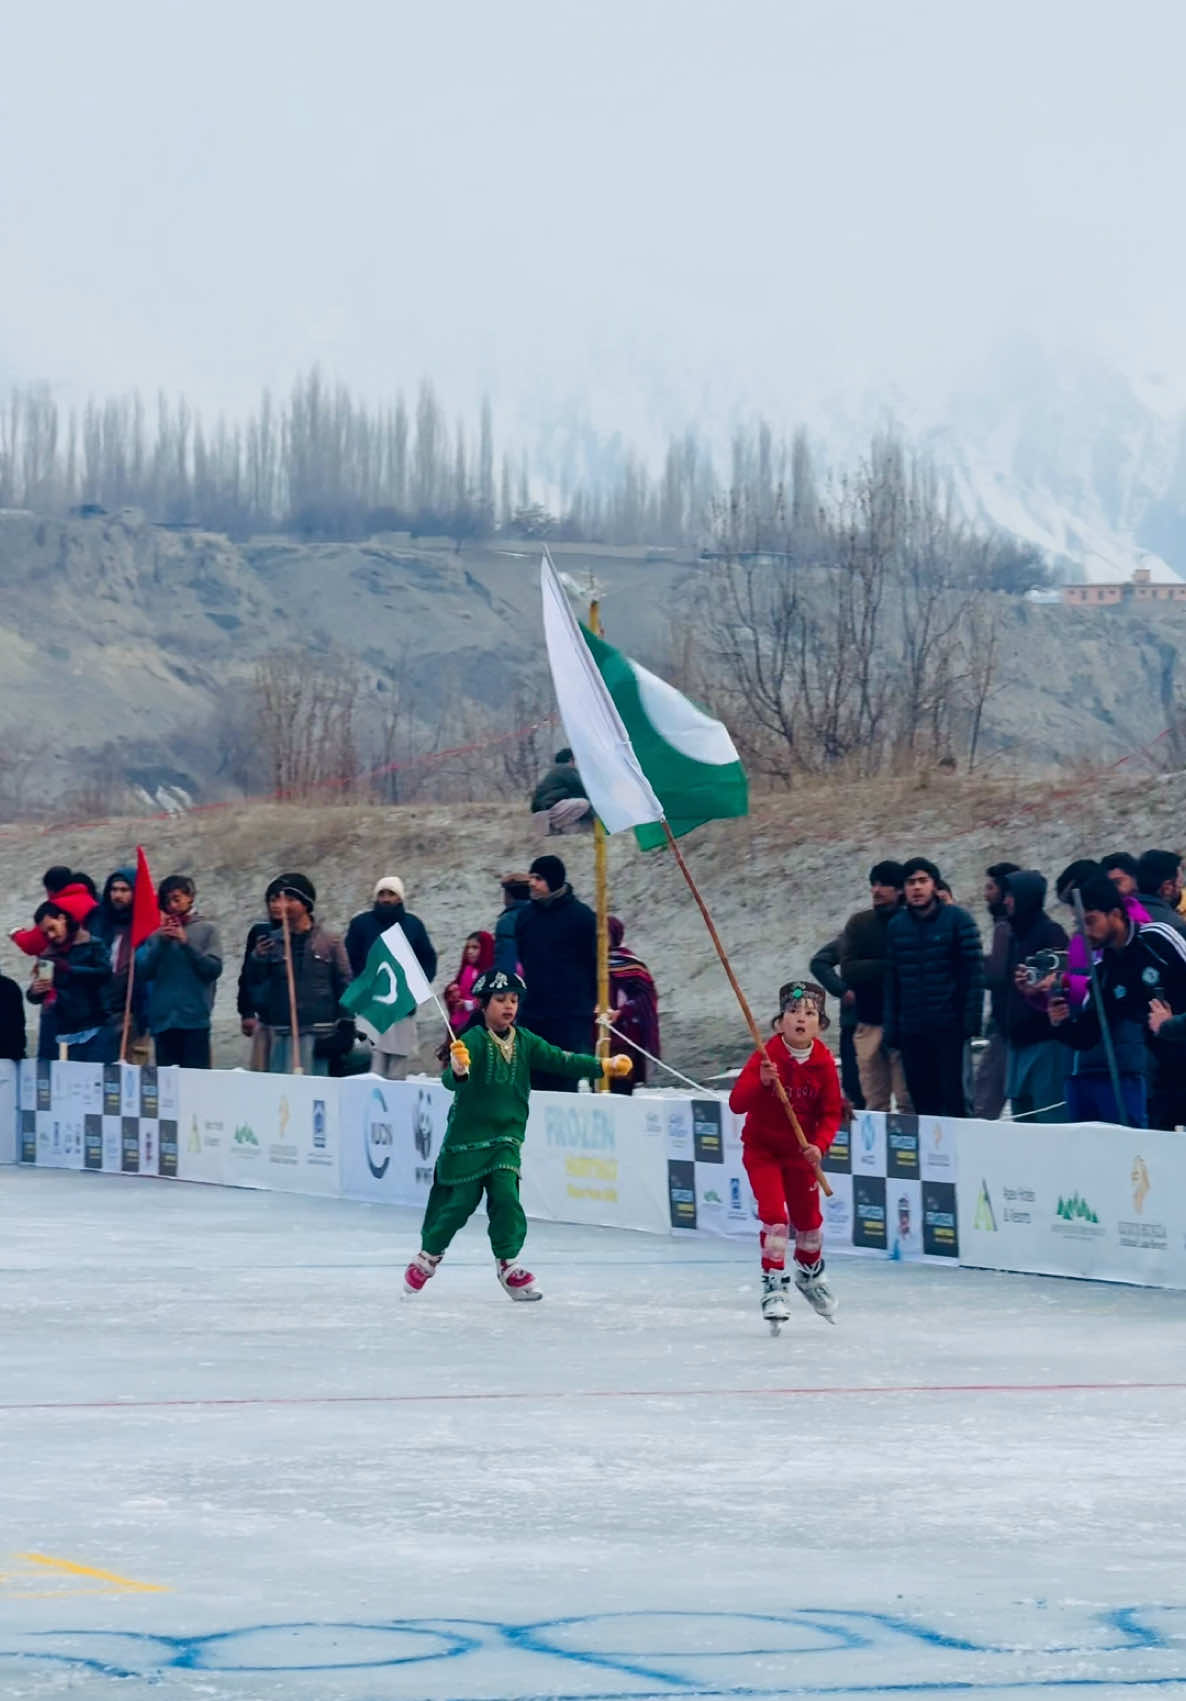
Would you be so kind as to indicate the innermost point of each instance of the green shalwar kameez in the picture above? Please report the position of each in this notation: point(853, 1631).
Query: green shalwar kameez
point(484, 1137)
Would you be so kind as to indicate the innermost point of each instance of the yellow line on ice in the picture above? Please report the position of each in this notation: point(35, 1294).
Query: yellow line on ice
point(73, 1570)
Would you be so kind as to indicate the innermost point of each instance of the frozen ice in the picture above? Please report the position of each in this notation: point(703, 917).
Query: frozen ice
point(236, 1464)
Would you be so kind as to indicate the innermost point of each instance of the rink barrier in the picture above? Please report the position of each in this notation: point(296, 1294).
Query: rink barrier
point(1074, 1200)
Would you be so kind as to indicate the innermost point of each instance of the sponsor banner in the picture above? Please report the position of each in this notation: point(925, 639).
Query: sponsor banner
point(901, 1147)
point(681, 1192)
point(248, 1130)
point(938, 1143)
point(586, 1159)
point(707, 1133)
point(868, 1212)
point(1103, 1202)
point(940, 1220)
point(838, 1157)
point(904, 1212)
point(9, 1096)
point(868, 1143)
point(391, 1135)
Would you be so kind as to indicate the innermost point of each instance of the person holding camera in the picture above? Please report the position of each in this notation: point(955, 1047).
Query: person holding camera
point(1141, 976)
point(1035, 1063)
point(320, 972)
point(180, 964)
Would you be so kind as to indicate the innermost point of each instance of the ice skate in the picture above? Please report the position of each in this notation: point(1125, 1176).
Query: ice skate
point(419, 1271)
point(517, 1281)
point(813, 1285)
point(774, 1305)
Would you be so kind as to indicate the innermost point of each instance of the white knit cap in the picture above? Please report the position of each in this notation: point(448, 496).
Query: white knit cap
point(391, 883)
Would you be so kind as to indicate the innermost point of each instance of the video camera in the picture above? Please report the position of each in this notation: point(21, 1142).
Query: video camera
point(1042, 965)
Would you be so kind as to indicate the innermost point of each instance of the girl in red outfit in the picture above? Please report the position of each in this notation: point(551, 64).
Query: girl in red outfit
point(785, 1179)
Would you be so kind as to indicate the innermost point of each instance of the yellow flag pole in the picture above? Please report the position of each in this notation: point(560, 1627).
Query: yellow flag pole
point(601, 883)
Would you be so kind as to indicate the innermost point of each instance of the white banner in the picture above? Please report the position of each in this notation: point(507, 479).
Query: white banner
point(247, 1130)
point(9, 1112)
point(593, 1158)
point(391, 1136)
point(1074, 1200)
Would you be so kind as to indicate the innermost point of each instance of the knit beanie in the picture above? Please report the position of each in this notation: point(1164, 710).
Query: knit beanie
point(390, 883)
point(551, 870)
point(299, 885)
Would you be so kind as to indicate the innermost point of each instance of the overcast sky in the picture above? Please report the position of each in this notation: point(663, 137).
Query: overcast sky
point(668, 204)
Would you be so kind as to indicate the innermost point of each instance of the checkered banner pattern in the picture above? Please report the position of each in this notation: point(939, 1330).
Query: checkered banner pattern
point(893, 1180)
point(99, 1116)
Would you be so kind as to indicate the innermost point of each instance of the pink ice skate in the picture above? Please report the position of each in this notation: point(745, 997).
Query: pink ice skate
point(419, 1271)
point(517, 1281)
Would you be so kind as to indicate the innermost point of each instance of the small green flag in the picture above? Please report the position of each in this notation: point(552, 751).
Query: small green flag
point(391, 986)
point(688, 758)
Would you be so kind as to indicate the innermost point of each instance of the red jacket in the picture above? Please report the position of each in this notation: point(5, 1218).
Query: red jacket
point(74, 899)
point(812, 1087)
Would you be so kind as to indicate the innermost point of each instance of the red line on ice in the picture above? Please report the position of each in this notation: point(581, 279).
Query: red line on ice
point(215, 1400)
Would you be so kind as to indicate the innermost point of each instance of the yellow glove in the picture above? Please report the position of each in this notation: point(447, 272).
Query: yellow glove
point(620, 1066)
point(459, 1057)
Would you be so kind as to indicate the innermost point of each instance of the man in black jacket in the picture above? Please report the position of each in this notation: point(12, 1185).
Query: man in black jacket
point(386, 909)
point(321, 973)
point(934, 991)
point(1036, 1064)
point(824, 967)
point(557, 942)
point(1141, 970)
point(12, 1020)
point(516, 895)
point(863, 959)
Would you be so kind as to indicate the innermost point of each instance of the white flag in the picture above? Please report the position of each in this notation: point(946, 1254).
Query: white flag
point(618, 789)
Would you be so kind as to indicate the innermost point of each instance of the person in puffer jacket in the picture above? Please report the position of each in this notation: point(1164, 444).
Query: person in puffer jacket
point(934, 991)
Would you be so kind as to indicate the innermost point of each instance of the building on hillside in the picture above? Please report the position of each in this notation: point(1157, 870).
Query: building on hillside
point(1140, 588)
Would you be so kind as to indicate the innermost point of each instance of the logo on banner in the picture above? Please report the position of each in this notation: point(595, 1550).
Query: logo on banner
point(838, 1157)
point(868, 1212)
point(681, 1192)
point(940, 1231)
point(901, 1146)
point(319, 1137)
point(708, 1147)
point(1140, 1184)
point(1144, 1235)
point(1074, 1218)
point(149, 1093)
point(679, 1130)
point(167, 1146)
point(985, 1218)
point(193, 1140)
point(379, 1137)
point(422, 1124)
point(1019, 1203)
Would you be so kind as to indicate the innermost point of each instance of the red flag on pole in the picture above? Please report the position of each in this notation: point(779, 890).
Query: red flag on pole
point(146, 911)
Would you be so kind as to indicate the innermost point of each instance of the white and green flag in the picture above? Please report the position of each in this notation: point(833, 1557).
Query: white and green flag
point(391, 986)
point(645, 752)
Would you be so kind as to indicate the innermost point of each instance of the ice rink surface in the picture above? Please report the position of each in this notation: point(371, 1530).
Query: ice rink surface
point(235, 1464)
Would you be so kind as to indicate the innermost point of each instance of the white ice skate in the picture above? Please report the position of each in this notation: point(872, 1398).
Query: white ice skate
point(774, 1304)
point(419, 1272)
point(813, 1285)
point(517, 1281)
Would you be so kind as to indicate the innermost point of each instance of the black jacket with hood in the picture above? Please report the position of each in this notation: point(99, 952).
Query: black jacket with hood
point(367, 925)
point(557, 940)
point(1030, 930)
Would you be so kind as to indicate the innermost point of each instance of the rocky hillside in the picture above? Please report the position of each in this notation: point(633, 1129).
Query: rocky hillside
point(121, 643)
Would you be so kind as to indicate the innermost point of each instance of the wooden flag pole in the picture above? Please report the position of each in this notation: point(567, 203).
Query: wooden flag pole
point(294, 1055)
point(741, 998)
point(123, 1040)
point(601, 885)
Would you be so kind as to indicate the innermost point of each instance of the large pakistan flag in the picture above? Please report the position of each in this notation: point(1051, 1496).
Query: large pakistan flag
point(391, 986)
point(689, 758)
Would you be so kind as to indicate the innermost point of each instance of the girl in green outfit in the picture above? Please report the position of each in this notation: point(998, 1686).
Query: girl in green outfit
point(489, 1071)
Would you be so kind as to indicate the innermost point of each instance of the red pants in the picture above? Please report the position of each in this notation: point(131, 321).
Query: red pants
point(786, 1192)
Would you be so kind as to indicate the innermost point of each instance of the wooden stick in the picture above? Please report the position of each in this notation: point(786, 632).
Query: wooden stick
point(741, 998)
point(601, 884)
point(123, 1042)
point(63, 1052)
point(295, 1067)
